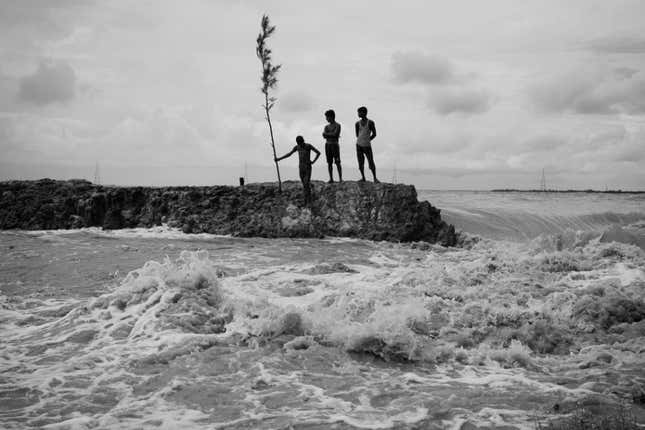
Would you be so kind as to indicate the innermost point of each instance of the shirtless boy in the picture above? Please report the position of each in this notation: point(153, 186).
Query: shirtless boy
point(305, 163)
point(331, 133)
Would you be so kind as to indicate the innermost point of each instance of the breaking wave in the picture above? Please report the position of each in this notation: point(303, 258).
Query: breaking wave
point(278, 344)
point(510, 225)
point(523, 216)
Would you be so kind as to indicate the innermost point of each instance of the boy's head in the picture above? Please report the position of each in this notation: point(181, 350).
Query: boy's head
point(330, 115)
point(300, 140)
point(362, 112)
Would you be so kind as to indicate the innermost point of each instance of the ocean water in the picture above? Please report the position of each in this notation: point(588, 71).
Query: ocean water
point(540, 312)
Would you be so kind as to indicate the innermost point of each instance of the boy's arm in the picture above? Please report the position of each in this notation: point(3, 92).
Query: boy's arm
point(336, 133)
point(313, 148)
point(356, 127)
point(372, 130)
point(285, 155)
point(333, 134)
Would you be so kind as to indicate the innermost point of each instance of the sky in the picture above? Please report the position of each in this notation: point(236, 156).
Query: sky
point(464, 94)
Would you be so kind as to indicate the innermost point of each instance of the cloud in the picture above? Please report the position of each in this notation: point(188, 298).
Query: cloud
point(591, 93)
point(32, 138)
point(29, 25)
point(630, 153)
point(295, 101)
point(52, 82)
point(433, 143)
point(618, 45)
point(494, 170)
point(417, 67)
point(35, 13)
point(625, 72)
point(620, 145)
point(543, 143)
point(408, 67)
point(162, 135)
point(606, 138)
point(464, 101)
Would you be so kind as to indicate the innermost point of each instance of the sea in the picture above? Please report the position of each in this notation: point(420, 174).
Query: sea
point(536, 317)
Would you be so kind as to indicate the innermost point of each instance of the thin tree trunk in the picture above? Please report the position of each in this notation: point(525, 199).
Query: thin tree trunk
point(277, 168)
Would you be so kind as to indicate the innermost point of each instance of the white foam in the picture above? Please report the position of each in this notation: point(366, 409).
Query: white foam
point(157, 232)
point(410, 304)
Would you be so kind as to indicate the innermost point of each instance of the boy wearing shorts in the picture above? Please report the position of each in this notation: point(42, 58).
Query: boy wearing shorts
point(365, 133)
point(304, 156)
point(331, 133)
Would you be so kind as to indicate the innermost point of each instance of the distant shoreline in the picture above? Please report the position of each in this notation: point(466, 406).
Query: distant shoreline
point(588, 191)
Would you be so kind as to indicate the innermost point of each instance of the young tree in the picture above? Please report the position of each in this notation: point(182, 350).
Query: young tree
point(269, 79)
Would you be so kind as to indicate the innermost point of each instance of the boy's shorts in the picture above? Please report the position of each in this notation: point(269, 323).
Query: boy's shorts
point(361, 153)
point(332, 152)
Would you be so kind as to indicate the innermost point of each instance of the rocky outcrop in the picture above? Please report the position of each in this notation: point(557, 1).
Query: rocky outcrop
point(350, 209)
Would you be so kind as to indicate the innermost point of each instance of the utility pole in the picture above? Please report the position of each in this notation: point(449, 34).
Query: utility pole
point(97, 174)
point(543, 182)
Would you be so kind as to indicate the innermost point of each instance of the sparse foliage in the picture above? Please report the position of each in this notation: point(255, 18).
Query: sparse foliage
point(269, 78)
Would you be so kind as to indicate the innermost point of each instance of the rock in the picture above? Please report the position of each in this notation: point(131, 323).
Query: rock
point(260, 384)
point(300, 343)
point(296, 291)
point(325, 269)
point(76, 221)
point(377, 347)
point(350, 209)
point(113, 219)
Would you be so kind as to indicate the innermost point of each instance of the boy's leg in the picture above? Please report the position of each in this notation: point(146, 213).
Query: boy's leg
point(305, 178)
point(337, 160)
point(370, 161)
point(308, 188)
point(329, 154)
point(361, 161)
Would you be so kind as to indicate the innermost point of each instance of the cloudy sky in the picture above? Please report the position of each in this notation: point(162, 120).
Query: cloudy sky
point(465, 94)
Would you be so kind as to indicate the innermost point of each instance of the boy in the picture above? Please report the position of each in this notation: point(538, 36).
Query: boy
point(365, 133)
point(331, 133)
point(305, 163)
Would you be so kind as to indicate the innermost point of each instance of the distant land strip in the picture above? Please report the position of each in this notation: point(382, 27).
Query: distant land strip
point(513, 190)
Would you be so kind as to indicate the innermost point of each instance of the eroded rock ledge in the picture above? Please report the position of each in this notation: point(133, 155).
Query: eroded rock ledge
point(351, 209)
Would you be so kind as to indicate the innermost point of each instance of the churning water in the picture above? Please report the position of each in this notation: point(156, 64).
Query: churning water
point(539, 311)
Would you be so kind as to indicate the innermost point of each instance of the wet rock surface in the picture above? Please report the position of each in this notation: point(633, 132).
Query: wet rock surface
point(350, 209)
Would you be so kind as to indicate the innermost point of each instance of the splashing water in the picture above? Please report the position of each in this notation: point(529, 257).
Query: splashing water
point(154, 329)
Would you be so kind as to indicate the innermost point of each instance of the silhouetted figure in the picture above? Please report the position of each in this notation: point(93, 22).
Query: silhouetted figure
point(305, 163)
point(365, 133)
point(331, 133)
